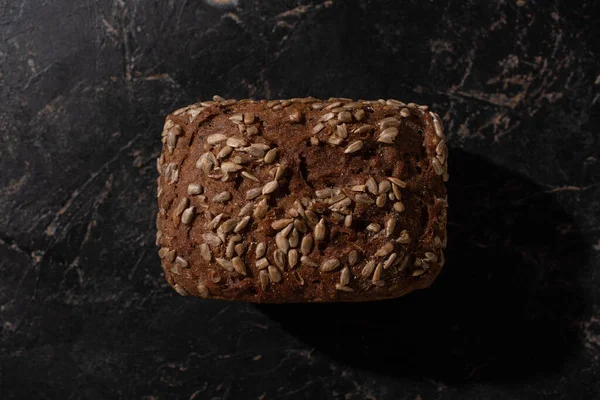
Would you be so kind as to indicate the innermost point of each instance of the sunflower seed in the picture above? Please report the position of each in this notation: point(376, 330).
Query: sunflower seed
point(352, 257)
point(212, 225)
point(181, 261)
point(358, 188)
point(194, 188)
point(363, 198)
point(335, 140)
point(282, 242)
point(345, 116)
point(279, 258)
point(262, 263)
point(188, 215)
point(386, 138)
point(280, 172)
point(330, 265)
point(385, 250)
point(437, 242)
point(337, 196)
point(373, 227)
point(248, 118)
point(293, 258)
point(318, 128)
point(441, 149)
point(311, 216)
point(253, 150)
point(390, 260)
point(253, 193)
point(274, 274)
point(171, 142)
point(272, 103)
point(348, 221)
point(403, 263)
point(222, 197)
point(261, 209)
point(215, 138)
point(368, 269)
point(229, 166)
point(180, 289)
point(397, 193)
point(163, 252)
point(252, 130)
point(390, 225)
point(372, 186)
point(418, 272)
point(389, 122)
point(205, 163)
point(318, 106)
point(345, 276)
point(212, 239)
point(394, 102)
point(230, 250)
point(404, 237)
point(159, 236)
point(342, 131)
point(238, 265)
point(181, 206)
point(224, 152)
point(260, 249)
point(354, 147)
point(236, 143)
point(399, 206)
point(294, 238)
point(314, 141)
point(306, 244)
point(430, 256)
point(341, 204)
point(242, 224)
point(264, 280)
point(281, 223)
point(342, 288)
point(405, 112)
point(170, 256)
point(270, 187)
point(270, 156)
point(236, 118)
point(228, 225)
point(327, 117)
point(305, 260)
point(320, 230)
point(359, 115)
point(248, 175)
point(300, 226)
point(437, 166)
point(391, 132)
point(381, 200)
point(362, 129)
point(225, 264)
point(377, 273)
point(216, 97)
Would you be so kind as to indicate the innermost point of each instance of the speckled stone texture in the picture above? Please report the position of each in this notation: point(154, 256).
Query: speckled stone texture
point(84, 90)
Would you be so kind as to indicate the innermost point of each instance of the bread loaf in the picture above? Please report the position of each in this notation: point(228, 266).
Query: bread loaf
point(302, 200)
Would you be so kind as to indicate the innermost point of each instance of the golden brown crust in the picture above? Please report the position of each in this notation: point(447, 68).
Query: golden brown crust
point(302, 200)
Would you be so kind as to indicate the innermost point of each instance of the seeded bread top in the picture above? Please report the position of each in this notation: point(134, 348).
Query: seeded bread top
point(302, 200)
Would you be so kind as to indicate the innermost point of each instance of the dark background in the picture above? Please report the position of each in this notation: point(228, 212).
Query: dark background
point(84, 309)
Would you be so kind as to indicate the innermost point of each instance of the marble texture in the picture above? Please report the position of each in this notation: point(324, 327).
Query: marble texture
point(84, 309)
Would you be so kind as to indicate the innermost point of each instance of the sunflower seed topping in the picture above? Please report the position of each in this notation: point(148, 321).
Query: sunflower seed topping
point(358, 188)
point(381, 200)
point(238, 265)
point(348, 221)
point(294, 238)
point(373, 227)
point(430, 256)
point(311, 216)
point(194, 188)
point(188, 215)
point(264, 280)
point(330, 265)
point(181, 206)
point(385, 250)
point(282, 242)
point(270, 156)
point(305, 260)
point(225, 264)
point(212, 239)
point(390, 260)
point(404, 237)
point(281, 223)
point(342, 131)
point(363, 198)
point(362, 129)
point(318, 128)
point(327, 117)
point(437, 166)
point(405, 112)
point(345, 276)
point(354, 147)
point(180, 289)
point(261, 209)
point(390, 225)
point(345, 116)
point(262, 263)
point(359, 115)
point(270, 187)
point(215, 138)
point(222, 197)
point(343, 288)
point(377, 274)
point(300, 226)
point(437, 242)
point(320, 230)
point(293, 258)
point(230, 250)
point(274, 274)
point(418, 272)
point(306, 244)
point(399, 206)
point(389, 122)
point(372, 186)
point(368, 269)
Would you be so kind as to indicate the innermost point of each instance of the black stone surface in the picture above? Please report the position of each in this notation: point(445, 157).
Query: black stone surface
point(84, 309)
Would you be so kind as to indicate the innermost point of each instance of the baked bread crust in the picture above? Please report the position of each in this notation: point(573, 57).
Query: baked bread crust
point(302, 200)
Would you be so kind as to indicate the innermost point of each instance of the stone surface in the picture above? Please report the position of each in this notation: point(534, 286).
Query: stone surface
point(84, 310)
